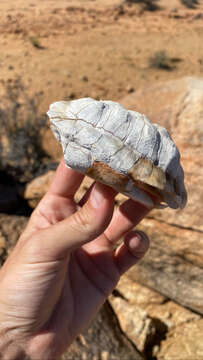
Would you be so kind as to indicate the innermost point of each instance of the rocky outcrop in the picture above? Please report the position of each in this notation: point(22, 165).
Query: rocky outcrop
point(183, 343)
point(134, 322)
point(178, 106)
point(149, 319)
point(103, 340)
point(173, 265)
point(156, 306)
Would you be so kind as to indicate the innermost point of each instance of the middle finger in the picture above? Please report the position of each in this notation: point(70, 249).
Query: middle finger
point(124, 219)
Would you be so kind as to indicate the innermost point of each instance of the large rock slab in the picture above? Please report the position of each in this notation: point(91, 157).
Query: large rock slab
point(178, 106)
point(103, 340)
point(184, 343)
point(164, 315)
point(134, 322)
point(173, 264)
point(156, 306)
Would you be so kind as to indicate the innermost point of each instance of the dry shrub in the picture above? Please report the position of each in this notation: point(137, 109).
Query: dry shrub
point(36, 42)
point(160, 60)
point(191, 4)
point(21, 125)
point(150, 5)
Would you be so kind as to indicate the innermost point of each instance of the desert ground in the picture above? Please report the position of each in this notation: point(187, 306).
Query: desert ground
point(112, 50)
point(95, 48)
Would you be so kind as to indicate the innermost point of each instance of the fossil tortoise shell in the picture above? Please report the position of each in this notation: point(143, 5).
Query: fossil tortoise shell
point(120, 148)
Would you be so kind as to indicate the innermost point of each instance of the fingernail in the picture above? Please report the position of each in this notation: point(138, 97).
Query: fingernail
point(135, 241)
point(96, 196)
point(139, 243)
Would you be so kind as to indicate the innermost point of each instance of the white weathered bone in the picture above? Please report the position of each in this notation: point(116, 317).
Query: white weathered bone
point(120, 148)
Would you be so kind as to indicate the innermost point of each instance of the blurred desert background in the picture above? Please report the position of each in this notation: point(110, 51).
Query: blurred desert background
point(148, 55)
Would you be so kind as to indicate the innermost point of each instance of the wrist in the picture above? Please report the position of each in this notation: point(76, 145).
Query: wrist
point(11, 349)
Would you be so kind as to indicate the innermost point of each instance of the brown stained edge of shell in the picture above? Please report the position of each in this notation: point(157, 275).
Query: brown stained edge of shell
point(105, 174)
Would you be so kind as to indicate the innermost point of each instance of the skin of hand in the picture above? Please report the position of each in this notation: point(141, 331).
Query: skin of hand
point(64, 266)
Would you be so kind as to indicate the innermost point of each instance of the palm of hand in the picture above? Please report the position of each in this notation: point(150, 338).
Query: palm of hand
point(62, 287)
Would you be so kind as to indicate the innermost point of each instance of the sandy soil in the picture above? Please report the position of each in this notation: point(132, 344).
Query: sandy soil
point(96, 48)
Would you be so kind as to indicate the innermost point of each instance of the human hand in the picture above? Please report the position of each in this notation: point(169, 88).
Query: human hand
point(64, 266)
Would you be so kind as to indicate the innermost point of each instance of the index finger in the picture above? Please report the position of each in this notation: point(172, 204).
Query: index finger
point(66, 181)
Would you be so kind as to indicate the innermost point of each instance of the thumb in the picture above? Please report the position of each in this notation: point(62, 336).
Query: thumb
point(84, 225)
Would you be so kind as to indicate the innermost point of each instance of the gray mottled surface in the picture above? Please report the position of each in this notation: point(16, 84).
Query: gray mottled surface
point(104, 132)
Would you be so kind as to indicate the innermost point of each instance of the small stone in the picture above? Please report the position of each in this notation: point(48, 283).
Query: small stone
point(130, 89)
point(84, 78)
point(198, 16)
point(2, 241)
point(87, 182)
point(155, 350)
point(37, 188)
point(83, 341)
point(104, 355)
point(2, 244)
point(84, 356)
point(72, 96)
